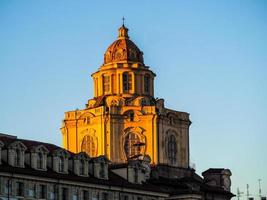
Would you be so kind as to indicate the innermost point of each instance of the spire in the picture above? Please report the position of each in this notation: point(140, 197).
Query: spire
point(123, 31)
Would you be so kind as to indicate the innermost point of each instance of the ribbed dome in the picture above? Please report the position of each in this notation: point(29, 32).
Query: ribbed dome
point(123, 49)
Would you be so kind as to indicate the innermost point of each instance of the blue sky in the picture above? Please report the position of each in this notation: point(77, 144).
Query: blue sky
point(210, 58)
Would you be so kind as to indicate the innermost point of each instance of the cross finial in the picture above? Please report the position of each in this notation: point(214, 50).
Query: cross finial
point(123, 19)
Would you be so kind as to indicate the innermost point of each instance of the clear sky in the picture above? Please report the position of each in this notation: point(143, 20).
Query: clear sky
point(210, 58)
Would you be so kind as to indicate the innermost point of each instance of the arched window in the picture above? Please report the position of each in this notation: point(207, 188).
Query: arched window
point(127, 82)
point(61, 163)
point(146, 83)
point(172, 149)
point(132, 145)
point(39, 160)
point(89, 146)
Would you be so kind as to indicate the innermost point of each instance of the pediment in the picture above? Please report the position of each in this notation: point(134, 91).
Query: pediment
point(82, 155)
point(61, 152)
point(86, 114)
point(137, 129)
point(115, 101)
point(40, 148)
point(101, 159)
point(17, 145)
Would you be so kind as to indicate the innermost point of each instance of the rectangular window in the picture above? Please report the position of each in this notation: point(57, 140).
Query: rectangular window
point(61, 164)
point(19, 189)
point(7, 189)
point(74, 197)
point(106, 84)
point(31, 190)
point(85, 195)
point(104, 196)
point(65, 193)
point(40, 160)
point(125, 197)
point(82, 167)
point(146, 83)
point(127, 82)
point(17, 158)
point(42, 191)
point(135, 175)
point(102, 170)
point(51, 195)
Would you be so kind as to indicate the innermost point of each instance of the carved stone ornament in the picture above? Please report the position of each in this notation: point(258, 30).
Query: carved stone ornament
point(89, 142)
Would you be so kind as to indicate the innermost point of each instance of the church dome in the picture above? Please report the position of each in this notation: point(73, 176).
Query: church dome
point(123, 49)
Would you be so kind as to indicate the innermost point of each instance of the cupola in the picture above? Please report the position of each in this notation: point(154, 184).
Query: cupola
point(123, 49)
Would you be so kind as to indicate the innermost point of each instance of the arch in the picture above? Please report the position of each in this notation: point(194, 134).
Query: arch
point(132, 115)
point(130, 145)
point(171, 147)
point(133, 143)
point(137, 112)
point(89, 145)
point(87, 114)
point(115, 101)
point(172, 118)
point(87, 117)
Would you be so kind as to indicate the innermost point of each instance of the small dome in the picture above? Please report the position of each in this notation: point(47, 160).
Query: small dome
point(123, 49)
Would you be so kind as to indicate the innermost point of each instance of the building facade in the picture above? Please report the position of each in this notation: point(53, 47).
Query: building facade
point(37, 170)
point(124, 120)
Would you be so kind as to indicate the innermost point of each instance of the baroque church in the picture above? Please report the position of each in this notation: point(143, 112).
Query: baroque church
point(124, 120)
point(124, 145)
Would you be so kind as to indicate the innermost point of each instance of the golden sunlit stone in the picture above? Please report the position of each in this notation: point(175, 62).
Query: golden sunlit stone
point(124, 121)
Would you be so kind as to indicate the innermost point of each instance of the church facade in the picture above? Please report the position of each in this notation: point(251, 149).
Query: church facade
point(124, 120)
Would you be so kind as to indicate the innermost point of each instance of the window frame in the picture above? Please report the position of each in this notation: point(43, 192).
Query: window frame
point(172, 149)
point(127, 82)
point(17, 157)
point(65, 193)
point(146, 83)
point(82, 166)
point(19, 189)
point(130, 139)
point(102, 170)
point(106, 84)
point(40, 160)
point(61, 164)
point(42, 191)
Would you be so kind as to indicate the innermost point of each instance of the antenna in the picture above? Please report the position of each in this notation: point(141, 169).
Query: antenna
point(259, 188)
point(239, 193)
point(247, 192)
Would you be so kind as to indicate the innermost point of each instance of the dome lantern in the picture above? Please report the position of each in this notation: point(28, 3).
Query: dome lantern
point(123, 32)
